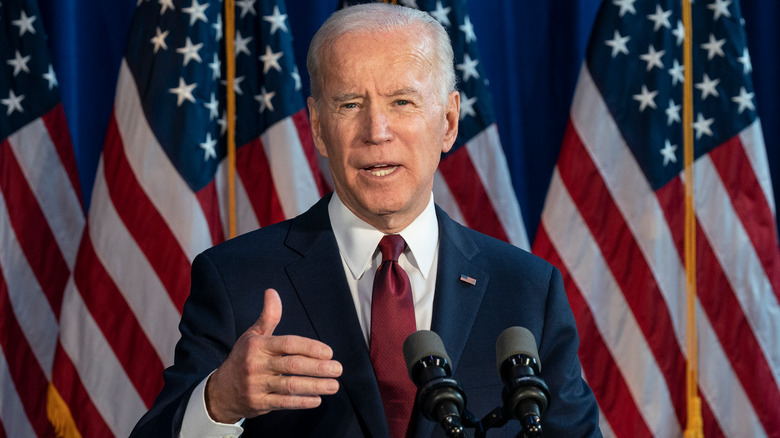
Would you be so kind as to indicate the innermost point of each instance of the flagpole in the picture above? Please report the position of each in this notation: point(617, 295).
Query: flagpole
point(694, 426)
point(230, 69)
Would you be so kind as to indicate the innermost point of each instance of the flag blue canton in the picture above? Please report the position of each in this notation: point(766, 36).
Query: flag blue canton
point(176, 56)
point(635, 57)
point(28, 85)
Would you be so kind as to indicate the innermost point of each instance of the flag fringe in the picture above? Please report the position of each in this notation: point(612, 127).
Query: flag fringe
point(59, 415)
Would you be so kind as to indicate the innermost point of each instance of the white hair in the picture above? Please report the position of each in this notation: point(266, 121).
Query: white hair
point(373, 17)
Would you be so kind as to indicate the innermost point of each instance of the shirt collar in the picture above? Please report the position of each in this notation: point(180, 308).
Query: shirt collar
point(357, 240)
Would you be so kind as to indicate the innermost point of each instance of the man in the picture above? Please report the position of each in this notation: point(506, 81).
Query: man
point(296, 359)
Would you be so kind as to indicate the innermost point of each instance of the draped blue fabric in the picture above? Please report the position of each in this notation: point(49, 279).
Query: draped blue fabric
point(532, 52)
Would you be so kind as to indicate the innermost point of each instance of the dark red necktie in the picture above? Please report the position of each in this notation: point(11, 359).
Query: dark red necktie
point(392, 320)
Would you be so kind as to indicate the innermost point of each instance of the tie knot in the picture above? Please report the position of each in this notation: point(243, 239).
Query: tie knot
point(391, 246)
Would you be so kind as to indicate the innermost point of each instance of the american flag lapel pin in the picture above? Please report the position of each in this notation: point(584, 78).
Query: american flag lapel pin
point(466, 279)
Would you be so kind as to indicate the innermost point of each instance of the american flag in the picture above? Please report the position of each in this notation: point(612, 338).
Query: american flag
point(473, 184)
point(160, 194)
point(41, 218)
point(614, 214)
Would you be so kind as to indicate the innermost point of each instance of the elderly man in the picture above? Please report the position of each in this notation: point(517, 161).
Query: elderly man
point(318, 353)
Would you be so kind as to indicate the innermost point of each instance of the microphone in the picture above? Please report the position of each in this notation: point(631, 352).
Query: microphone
point(440, 397)
point(525, 394)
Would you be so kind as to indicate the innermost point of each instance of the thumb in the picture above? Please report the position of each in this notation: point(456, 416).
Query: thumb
point(271, 315)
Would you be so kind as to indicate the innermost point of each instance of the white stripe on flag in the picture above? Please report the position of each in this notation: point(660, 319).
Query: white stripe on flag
point(487, 156)
point(41, 165)
point(753, 141)
point(442, 195)
point(294, 182)
point(134, 277)
point(171, 196)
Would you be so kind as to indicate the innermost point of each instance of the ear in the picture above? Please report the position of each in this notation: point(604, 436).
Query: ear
point(314, 120)
point(452, 115)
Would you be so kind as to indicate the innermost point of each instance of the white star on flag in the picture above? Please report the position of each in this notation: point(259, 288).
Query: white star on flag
point(271, 60)
point(702, 126)
point(197, 12)
point(660, 18)
point(744, 100)
point(209, 147)
point(13, 102)
point(468, 67)
point(646, 98)
point(277, 20)
point(159, 40)
point(190, 51)
point(618, 44)
point(246, 7)
point(24, 23)
point(653, 58)
point(19, 63)
point(183, 92)
point(668, 152)
point(707, 87)
point(714, 47)
point(440, 14)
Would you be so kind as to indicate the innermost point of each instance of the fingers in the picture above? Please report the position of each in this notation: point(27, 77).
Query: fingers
point(271, 315)
point(303, 366)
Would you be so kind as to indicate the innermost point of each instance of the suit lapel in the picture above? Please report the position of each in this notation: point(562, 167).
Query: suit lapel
point(332, 313)
point(456, 301)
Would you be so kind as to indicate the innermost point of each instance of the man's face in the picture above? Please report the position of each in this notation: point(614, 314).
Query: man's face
point(382, 123)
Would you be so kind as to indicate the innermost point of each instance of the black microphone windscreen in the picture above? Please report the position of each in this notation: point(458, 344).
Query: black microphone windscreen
point(421, 344)
point(513, 341)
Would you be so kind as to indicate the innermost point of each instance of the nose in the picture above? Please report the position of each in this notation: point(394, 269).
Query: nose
point(377, 125)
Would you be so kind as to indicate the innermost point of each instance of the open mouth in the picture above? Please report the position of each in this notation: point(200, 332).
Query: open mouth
point(381, 169)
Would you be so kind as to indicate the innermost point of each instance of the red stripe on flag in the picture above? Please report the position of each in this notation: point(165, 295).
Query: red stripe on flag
point(301, 121)
point(57, 126)
point(143, 221)
point(466, 187)
point(32, 230)
point(604, 377)
point(28, 376)
point(751, 206)
point(718, 300)
point(86, 416)
point(625, 260)
point(119, 326)
point(209, 203)
point(255, 171)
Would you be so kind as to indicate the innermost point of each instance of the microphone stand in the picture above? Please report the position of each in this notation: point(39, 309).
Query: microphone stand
point(498, 417)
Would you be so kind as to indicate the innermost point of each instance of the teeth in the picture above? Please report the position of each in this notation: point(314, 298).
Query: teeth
point(382, 170)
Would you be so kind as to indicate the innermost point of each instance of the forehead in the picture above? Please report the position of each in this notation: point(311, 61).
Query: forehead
point(384, 56)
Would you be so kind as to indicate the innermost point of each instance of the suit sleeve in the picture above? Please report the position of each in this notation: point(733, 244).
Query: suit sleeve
point(208, 333)
point(573, 411)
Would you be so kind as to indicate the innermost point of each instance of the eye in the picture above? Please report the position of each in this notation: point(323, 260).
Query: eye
point(350, 105)
point(402, 102)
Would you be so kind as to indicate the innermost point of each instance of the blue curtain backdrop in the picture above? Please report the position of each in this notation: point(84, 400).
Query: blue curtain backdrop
point(531, 50)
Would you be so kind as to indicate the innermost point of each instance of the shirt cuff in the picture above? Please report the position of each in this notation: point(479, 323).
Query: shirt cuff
point(198, 423)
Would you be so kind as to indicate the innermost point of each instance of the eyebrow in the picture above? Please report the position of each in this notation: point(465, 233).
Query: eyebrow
point(345, 97)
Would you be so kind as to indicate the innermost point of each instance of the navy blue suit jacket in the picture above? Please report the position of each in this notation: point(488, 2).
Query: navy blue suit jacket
point(300, 259)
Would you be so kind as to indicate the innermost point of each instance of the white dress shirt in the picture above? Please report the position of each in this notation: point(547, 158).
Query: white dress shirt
point(357, 242)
